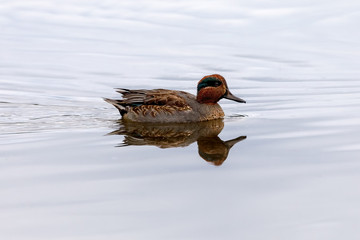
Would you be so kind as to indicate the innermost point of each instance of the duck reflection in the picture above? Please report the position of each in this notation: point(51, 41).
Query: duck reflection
point(211, 148)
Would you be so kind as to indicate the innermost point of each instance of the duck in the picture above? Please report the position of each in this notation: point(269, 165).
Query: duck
point(172, 106)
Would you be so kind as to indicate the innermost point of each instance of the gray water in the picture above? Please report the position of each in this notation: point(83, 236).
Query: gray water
point(283, 166)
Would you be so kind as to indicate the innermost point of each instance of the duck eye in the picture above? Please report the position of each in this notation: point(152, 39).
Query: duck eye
point(217, 83)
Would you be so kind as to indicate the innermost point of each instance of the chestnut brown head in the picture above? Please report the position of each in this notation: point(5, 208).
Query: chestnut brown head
point(212, 88)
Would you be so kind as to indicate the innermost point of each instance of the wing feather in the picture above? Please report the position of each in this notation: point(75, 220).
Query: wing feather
point(155, 101)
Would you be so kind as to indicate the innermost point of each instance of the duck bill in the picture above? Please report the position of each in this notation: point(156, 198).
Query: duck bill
point(230, 96)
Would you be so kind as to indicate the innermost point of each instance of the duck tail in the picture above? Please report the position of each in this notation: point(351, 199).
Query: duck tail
point(117, 104)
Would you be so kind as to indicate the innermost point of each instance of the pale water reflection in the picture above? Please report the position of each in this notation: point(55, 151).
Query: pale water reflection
point(210, 147)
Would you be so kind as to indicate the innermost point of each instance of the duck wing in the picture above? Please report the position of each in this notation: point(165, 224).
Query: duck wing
point(159, 97)
point(135, 99)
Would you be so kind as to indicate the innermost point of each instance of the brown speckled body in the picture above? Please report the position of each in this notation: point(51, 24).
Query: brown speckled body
point(187, 109)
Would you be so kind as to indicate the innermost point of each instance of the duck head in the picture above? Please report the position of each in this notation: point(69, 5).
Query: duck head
point(212, 88)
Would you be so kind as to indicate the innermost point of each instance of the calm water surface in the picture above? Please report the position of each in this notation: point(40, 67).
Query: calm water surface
point(283, 166)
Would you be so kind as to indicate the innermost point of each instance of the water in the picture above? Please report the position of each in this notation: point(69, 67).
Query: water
point(283, 166)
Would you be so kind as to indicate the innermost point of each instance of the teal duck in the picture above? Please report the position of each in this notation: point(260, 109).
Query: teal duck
point(166, 106)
